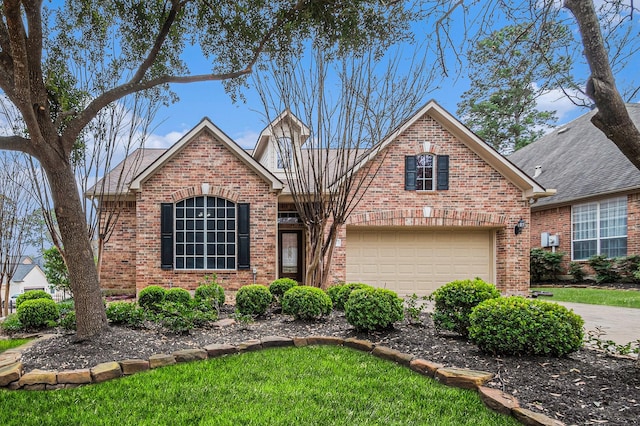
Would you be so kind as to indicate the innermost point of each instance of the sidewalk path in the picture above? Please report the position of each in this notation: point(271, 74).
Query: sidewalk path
point(622, 325)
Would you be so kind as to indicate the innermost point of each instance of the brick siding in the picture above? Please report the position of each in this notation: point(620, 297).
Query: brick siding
point(557, 220)
point(203, 160)
point(478, 196)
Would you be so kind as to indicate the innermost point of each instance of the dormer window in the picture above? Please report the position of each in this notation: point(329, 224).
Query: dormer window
point(284, 159)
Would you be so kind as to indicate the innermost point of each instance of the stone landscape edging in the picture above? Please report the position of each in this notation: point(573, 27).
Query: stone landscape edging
point(12, 376)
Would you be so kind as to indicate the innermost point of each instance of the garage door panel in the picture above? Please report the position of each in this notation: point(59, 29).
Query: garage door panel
point(418, 261)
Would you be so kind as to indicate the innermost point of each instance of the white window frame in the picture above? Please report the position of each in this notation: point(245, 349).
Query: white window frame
point(598, 238)
point(206, 214)
point(423, 179)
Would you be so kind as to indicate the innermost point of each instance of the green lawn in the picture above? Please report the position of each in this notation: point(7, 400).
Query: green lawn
point(316, 385)
point(594, 296)
point(11, 343)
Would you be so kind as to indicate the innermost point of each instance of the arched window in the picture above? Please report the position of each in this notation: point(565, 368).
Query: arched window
point(424, 172)
point(205, 233)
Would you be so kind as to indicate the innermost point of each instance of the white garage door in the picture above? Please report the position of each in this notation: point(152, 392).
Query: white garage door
point(418, 261)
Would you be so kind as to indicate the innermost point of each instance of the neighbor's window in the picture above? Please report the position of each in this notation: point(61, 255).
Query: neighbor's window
point(424, 172)
point(205, 233)
point(599, 228)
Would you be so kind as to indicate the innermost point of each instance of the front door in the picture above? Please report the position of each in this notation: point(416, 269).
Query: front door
point(290, 259)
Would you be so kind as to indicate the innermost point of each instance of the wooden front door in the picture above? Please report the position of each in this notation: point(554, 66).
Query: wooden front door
point(291, 254)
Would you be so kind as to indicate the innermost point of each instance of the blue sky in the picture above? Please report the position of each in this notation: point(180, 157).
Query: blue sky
point(244, 120)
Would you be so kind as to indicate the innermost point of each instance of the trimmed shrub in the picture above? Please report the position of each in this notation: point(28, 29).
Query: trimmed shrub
point(577, 272)
point(455, 300)
point(253, 299)
point(32, 295)
point(519, 326)
point(68, 320)
point(605, 269)
point(11, 324)
point(306, 302)
point(333, 293)
point(38, 313)
point(545, 265)
point(181, 319)
point(125, 313)
point(178, 295)
point(371, 309)
point(280, 286)
point(345, 291)
point(150, 297)
point(210, 294)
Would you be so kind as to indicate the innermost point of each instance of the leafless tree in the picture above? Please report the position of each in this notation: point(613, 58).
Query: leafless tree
point(117, 131)
point(15, 207)
point(348, 106)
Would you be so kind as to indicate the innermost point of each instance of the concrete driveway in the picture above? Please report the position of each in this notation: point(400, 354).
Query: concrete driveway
point(622, 325)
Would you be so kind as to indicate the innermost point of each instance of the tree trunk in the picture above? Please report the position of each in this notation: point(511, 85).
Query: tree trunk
point(612, 117)
point(83, 275)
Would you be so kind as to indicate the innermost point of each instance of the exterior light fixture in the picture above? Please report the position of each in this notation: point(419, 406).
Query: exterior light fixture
point(519, 226)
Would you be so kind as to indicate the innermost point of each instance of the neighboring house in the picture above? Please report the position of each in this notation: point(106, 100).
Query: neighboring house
point(28, 276)
point(596, 210)
point(443, 206)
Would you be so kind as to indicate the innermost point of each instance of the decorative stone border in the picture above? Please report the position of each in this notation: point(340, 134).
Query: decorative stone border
point(13, 377)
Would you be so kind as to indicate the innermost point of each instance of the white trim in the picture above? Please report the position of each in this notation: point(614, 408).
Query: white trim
point(530, 188)
point(206, 124)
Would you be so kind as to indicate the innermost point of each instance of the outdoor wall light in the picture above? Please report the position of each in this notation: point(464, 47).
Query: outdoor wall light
point(519, 226)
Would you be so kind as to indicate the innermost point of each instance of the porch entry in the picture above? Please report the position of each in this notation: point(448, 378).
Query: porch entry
point(291, 255)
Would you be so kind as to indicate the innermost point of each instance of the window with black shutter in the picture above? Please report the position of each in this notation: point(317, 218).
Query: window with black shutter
point(203, 233)
point(426, 172)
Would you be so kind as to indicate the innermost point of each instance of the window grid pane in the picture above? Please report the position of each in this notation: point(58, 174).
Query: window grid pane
point(205, 233)
point(600, 228)
point(424, 172)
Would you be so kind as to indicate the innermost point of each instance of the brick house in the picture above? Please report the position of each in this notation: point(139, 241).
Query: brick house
point(597, 206)
point(443, 206)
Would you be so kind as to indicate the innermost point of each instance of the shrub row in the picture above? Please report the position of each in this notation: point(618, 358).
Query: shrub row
point(506, 325)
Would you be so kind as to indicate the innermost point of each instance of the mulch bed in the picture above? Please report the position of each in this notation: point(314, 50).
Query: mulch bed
point(586, 388)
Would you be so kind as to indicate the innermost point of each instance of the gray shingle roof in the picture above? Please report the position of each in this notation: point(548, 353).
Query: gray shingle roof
point(119, 178)
point(579, 162)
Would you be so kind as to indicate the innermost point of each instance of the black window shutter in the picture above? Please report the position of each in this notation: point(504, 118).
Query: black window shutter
point(443, 172)
point(244, 258)
point(166, 235)
point(410, 173)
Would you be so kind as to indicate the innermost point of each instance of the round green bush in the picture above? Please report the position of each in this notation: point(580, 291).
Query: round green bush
point(455, 300)
point(150, 297)
point(178, 295)
point(519, 326)
point(371, 309)
point(32, 295)
point(280, 286)
point(345, 291)
point(333, 293)
point(37, 313)
point(306, 303)
point(125, 313)
point(253, 299)
point(212, 294)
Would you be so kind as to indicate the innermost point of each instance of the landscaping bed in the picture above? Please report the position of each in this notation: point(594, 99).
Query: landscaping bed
point(586, 387)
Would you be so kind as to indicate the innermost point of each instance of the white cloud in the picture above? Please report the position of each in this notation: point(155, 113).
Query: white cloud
point(163, 141)
point(246, 139)
point(558, 101)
